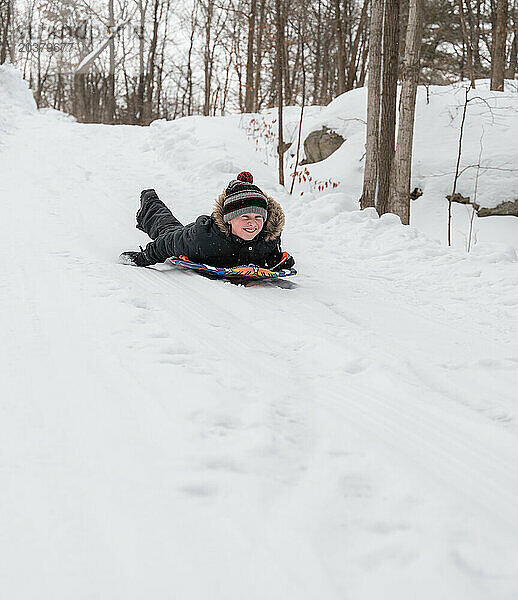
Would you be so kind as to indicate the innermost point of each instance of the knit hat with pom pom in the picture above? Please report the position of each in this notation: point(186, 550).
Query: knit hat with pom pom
point(242, 197)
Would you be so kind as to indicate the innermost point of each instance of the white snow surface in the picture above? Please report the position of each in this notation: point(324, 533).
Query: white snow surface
point(166, 436)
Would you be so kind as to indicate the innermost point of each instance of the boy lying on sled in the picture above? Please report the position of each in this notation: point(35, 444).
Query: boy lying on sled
point(245, 228)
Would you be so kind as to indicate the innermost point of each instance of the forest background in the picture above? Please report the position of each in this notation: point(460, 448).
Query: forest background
point(134, 61)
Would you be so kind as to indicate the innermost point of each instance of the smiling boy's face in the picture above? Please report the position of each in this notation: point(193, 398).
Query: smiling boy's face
point(247, 226)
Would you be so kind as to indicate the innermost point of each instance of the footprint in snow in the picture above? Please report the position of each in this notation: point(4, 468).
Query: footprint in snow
point(355, 486)
point(353, 367)
point(136, 302)
point(179, 361)
point(200, 490)
point(163, 334)
point(492, 363)
point(223, 464)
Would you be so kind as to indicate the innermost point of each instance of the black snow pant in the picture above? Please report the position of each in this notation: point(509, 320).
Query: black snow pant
point(153, 216)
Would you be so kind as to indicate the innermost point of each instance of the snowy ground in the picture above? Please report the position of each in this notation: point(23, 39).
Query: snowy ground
point(167, 436)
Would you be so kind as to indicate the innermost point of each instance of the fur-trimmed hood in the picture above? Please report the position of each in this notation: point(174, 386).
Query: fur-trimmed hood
point(272, 226)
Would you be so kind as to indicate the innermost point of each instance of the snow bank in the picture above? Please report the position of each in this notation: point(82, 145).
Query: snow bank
point(16, 98)
point(489, 138)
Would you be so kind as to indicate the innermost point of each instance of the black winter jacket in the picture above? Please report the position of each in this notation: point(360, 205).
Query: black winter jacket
point(209, 239)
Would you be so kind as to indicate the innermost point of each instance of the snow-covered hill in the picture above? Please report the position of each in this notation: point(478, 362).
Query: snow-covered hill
point(167, 436)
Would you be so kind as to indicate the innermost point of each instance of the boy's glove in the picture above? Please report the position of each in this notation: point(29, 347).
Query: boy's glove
point(136, 259)
point(287, 261)
point(290, 262)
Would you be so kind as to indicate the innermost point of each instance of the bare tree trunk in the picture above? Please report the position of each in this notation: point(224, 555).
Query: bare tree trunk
point(79, 107)
point(279, 71)
point(160, 94)
point(110, 98)
point(474, 26)
point(187, 95)
point(328, 76)
point(237, 61)
point(399, 198)
point(513, 56)
point(498, 46)
point(388, 101)
point(150, 66)
point(363, 62)
point(5, 21)
point(291, 97)
point(340, 42)
point(10, 33)
point(284, 55)
point(259, 54)
point(207, 63)
point(302, 37)
point(318, 52)
point(140, 91)
point(467, 43)
point(249, 94)
point(370, 177)
point(457, 166)
point(225, 89)
point(353, 62)
point(214, 101)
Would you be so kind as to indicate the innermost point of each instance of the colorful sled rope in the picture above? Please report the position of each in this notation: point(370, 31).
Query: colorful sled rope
point(249, 271)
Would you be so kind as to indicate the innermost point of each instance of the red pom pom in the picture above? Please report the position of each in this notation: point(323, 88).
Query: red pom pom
point(246, 176)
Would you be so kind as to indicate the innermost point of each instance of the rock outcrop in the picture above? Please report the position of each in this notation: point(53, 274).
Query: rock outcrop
point(320, 144)
point(505, 208)
point(508, 208)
